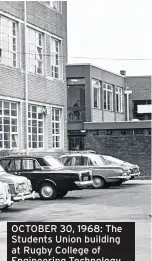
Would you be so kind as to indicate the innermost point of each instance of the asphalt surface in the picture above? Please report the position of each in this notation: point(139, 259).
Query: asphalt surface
point(125, 203)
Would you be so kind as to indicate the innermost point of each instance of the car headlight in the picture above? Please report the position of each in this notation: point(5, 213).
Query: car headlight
point(29, 185)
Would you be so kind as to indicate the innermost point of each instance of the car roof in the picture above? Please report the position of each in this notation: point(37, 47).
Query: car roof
point(77, 154)
point(21, 157)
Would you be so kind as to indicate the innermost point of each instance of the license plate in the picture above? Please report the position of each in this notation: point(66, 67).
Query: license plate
point(85, 179)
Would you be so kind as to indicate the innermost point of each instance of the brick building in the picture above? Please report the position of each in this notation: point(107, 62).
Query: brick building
point(33, 54)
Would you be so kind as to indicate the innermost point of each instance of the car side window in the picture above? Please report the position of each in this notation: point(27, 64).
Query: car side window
point(87, 161)
point(17, 164)
point(36, 165)
point(27, 164)
point(78, 161)
point(8, 165)
point(66, 161)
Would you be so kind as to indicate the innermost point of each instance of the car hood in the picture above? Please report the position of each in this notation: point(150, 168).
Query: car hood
point(125, 165)
point(9, 178)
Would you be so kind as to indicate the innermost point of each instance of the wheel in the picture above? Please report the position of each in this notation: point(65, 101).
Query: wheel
point(47, 191)
point(61, 194)
point(99, 183)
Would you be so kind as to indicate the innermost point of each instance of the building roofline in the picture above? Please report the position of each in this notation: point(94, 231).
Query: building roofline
point(138, 76)
point(92, 65)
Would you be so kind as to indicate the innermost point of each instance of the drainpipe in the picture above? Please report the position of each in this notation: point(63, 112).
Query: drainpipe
point(26, 81)
point(128, 91)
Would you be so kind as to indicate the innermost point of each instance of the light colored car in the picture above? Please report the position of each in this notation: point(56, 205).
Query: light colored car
point(104, 175)
point(20, 187)
point(5, 196)
point(134, 169)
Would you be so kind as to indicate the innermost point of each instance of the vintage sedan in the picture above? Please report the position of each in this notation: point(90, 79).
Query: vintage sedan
point(134, 169)
point(19, 187)
point(104, 175)
point(48, 176)
point(5, 196)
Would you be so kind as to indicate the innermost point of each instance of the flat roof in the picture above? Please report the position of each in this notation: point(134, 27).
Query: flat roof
point(96, 66)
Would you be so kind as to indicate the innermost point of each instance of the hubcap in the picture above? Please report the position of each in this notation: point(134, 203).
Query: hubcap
point(47, 191)
point(97, 182)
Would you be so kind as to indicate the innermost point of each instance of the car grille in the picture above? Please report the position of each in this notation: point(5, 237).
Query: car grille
point(22, 187)
point(12, 189)
point(85, 176)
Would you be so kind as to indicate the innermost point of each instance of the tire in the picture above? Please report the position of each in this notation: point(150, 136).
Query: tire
point(62, 194)
point(99, 183)
point(47, 191)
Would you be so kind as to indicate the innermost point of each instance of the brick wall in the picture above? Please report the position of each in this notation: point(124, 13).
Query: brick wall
point(135, 149)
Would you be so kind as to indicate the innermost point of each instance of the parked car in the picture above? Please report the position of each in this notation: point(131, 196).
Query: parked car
point(48, 176)
point(134, 169)
point(20, 188)
point(5, 196)
point(103, 174)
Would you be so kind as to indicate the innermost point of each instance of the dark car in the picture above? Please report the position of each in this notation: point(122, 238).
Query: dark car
point(53, 181)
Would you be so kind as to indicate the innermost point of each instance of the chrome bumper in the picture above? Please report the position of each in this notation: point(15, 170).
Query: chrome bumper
point(22, 196)
point(127, 177)
point(83, 184)
point(135, 174)
point(8, 202)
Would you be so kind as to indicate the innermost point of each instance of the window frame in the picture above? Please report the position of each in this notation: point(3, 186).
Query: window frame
point(107, 91)
point(10, 35)
point(54, 53)
point(54, 135)
point(59, 3)
point(119, 94)
point(36, 45)
point(10, 117)
point(30, 133)
point(96, 84)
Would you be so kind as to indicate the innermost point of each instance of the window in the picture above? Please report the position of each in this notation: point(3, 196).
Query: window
point(8, 41)
point(108, 97)
point(8, 124)
point(35, 127)
point(119, 99)
point(96, 93)
point(55, 5)
point(55, 58)
point(56, 127)
point(66, 161)
point(34, 51)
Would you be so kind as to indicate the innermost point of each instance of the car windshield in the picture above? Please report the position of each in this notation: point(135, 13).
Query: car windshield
point(113, 160)
point(97, 160)
point(54, 163)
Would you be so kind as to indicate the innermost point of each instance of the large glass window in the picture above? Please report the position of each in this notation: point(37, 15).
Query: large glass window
point(55, 58)
point(56, 127)
point(96, 86)
point(34, 51)
point(35, 127)
point(108, 97)
point(119, 99)
point(8, 124)
point(8, 41)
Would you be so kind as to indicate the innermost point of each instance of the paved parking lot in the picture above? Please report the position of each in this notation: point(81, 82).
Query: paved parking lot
point(125, 203)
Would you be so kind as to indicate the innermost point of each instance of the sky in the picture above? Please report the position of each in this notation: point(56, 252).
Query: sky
point(111, 29)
